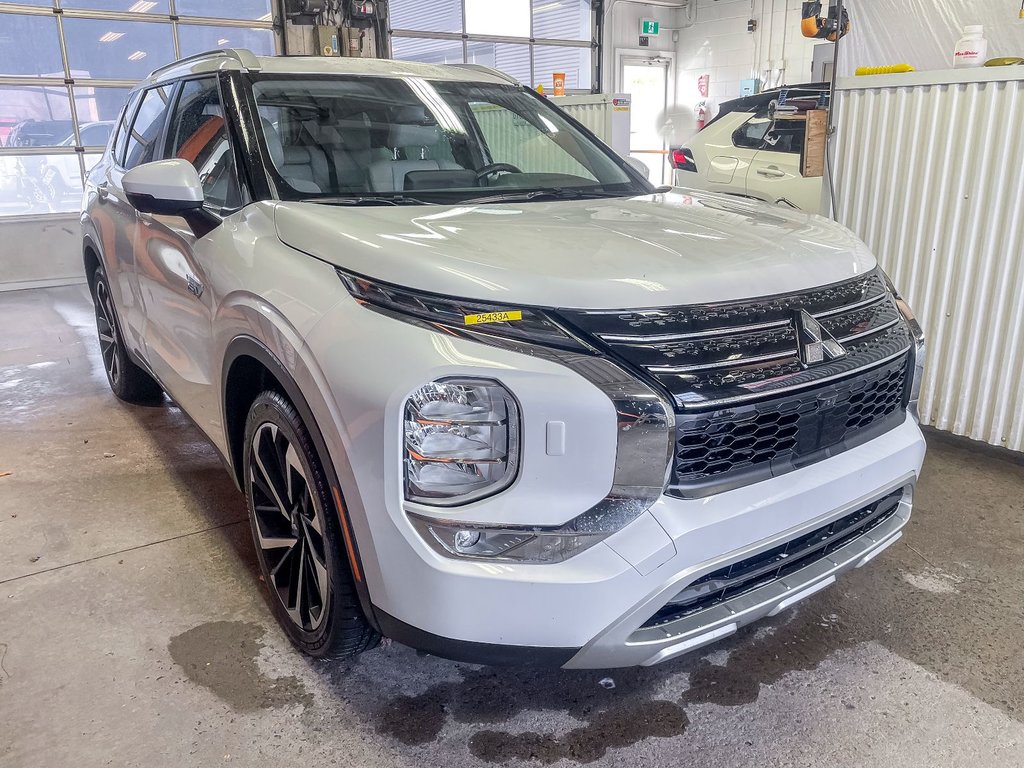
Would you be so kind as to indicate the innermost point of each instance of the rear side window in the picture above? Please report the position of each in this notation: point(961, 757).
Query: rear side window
point(783, 133)
point(149, 122)
point(199, 134)
point(750, 135)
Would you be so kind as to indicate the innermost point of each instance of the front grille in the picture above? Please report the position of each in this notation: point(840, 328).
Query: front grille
point(754, 441)
point(709, 356)
point(747, 406)
point(759, 570)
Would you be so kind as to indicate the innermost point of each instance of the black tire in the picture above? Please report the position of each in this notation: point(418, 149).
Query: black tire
point(127, 380)
point(297, 535)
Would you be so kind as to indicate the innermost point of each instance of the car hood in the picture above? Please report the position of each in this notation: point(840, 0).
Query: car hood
point(655, 250)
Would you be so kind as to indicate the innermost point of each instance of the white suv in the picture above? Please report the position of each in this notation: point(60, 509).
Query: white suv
point(755, 148)
point(487, 391)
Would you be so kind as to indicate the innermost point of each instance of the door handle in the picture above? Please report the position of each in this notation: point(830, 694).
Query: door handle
point(771, 172)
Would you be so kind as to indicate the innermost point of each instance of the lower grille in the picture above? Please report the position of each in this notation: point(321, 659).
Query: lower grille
point(749, 442)
point(766, 567)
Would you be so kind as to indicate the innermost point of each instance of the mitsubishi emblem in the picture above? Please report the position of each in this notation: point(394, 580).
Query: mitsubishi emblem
point(816, 345)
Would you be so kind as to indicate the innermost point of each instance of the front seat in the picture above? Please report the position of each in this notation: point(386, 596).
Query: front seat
point(294, 163)
point(413, 140)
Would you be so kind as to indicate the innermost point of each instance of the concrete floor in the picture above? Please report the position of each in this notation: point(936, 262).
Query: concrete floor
point(134, 632)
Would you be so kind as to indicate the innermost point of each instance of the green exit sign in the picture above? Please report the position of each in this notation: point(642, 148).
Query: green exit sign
point(650, 27)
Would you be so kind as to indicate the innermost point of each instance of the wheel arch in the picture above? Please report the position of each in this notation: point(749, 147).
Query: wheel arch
point(91, 258)
point(249, 368)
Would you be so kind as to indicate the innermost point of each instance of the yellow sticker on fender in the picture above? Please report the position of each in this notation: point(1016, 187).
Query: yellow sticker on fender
point(493, 317)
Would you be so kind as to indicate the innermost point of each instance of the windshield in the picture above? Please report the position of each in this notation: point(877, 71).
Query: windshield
point(392, 140)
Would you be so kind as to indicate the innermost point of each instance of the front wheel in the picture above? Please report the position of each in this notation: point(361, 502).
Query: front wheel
point(297, 533)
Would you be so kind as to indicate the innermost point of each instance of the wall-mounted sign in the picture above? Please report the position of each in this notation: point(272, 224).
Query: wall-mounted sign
point(650, 27)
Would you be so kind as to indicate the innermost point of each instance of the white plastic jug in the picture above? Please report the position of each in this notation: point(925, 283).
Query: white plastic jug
point(971, 49)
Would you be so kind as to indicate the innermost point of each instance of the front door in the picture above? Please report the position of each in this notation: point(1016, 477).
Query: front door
point(173, 266)
point(647, 80)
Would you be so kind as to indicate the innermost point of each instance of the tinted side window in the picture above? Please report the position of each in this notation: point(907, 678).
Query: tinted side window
point(751, 134)
point(786, 134)
point(145, 133)
point(122, 129)
point(199, 134)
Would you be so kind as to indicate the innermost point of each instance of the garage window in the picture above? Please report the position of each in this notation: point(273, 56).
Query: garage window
point(66, 69)
point(527, 39)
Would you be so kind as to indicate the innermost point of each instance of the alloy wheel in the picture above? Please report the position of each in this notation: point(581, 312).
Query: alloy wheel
point(289, 527)
point(107, 330)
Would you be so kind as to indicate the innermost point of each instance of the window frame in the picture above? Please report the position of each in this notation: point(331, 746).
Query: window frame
point(245, 195)
point(160, 140)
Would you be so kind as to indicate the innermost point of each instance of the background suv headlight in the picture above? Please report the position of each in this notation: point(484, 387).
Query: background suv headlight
point(461, 441)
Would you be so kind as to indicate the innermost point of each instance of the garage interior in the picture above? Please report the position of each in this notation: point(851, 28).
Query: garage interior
point(131, 632)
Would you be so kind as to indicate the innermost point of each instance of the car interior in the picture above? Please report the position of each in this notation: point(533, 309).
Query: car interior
point(323, 144)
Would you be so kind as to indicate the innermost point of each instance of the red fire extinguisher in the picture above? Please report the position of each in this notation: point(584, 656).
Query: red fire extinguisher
point(702, 116)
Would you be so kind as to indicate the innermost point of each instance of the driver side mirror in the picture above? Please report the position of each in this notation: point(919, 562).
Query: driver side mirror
point(638, 166)
point(164, 187)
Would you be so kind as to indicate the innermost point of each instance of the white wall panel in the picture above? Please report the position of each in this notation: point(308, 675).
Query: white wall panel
point(929, 174)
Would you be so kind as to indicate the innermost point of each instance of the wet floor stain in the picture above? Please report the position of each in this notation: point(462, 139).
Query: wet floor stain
point(657, 702)
point(221, 656)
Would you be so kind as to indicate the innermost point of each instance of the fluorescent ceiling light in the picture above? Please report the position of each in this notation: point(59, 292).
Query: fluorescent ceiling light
point(137, 56)
point(223, 41)
point(109, 37)
point(266, 17)
point(142, 6)
point(547, 7)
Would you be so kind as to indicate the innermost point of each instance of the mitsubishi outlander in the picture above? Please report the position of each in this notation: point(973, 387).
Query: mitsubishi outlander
point(488, 391)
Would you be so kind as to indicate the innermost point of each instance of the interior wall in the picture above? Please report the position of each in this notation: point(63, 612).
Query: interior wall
point(719, 45)
point(41, 251)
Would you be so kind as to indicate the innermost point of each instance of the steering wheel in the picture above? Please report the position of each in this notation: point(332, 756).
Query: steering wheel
point(487, 170)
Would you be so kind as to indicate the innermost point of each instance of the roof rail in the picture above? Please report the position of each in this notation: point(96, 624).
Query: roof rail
point(246, 59)
point(488, 70)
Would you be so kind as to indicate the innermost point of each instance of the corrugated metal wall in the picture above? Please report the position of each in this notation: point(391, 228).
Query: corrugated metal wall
point(931, 176)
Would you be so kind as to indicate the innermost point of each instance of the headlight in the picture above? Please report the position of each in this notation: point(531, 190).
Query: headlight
point(478, 318)
point(461, 441)
point(645, 437)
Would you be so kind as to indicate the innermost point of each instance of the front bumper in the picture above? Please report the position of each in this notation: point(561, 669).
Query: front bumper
point(590, 611)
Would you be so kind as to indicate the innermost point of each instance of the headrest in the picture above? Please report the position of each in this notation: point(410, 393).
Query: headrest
point(411, 135)
point(273, 142)
point(413, 126)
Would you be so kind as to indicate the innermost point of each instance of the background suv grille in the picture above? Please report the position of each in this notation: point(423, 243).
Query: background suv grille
point(747, 407)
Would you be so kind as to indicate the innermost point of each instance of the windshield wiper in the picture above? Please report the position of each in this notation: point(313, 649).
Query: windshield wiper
point(552, 193)
point(368, 200)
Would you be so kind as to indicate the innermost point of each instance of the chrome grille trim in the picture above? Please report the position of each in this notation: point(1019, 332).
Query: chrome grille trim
point(797, 387)
point(731, 331)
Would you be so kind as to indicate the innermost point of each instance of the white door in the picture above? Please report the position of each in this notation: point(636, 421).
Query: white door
point(647, 80)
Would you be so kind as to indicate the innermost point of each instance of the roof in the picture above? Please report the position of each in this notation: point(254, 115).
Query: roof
point(244, 60)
